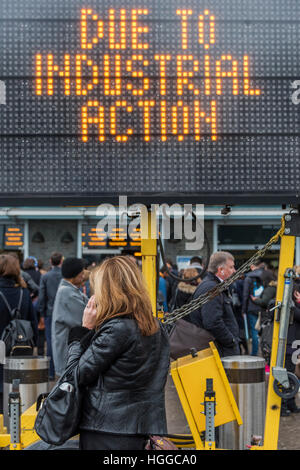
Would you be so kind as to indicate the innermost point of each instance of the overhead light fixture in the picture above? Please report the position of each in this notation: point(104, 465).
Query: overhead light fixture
point(38, 237)
point(226, 210)
point(67, 238)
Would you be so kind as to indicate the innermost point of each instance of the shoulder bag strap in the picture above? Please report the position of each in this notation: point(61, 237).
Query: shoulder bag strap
point(18, 312)
point(20, 300)
point(6, 302)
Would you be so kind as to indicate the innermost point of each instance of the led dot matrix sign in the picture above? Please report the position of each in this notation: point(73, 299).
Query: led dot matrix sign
point(171, 100)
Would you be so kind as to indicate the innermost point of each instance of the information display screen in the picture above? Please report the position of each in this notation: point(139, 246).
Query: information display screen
point(156, 100)
point(97, 238)
point(11, 236)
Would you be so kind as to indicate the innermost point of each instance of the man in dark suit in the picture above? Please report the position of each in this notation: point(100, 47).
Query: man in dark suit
point(217, 315)
point(48, 288)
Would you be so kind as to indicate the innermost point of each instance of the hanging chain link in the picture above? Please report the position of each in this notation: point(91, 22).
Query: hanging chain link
point(181, 312)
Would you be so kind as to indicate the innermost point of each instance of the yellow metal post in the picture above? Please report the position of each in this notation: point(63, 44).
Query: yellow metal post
point(210, 444)
point(286, 260)
point(149, 253)
point(209, 411)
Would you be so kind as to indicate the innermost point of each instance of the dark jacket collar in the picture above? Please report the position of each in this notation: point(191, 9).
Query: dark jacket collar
point(211, 277)
point(7, 282)
point(56, 268)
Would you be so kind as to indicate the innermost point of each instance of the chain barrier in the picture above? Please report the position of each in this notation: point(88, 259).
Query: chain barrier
point(181, 312)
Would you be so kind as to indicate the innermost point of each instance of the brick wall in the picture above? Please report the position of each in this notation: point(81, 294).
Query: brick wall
point(173, 249)
point(52, 231)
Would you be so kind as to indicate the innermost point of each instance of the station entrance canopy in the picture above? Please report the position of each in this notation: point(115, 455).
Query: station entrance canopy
point(159, 101)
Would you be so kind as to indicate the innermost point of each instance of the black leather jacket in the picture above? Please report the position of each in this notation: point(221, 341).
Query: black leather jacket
point(124, 375)
point(217, 317)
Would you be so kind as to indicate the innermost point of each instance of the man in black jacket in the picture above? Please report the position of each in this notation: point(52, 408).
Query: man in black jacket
point(48, 288)
point(217, 315)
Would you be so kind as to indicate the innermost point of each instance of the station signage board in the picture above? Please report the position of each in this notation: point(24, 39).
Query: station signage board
point(159, 101)
point(95, 238)
point(11, 237)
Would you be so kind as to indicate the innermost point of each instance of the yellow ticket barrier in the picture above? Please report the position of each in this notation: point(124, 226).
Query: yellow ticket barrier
point(28, 434)
point(286, 260)
point(4, 437)
point(189, 376)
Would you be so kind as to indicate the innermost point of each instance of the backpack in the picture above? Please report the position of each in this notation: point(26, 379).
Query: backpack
point(266, 337)
point(18, 335)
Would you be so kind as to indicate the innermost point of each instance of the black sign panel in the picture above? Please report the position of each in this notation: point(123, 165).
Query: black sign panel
point(157, 100)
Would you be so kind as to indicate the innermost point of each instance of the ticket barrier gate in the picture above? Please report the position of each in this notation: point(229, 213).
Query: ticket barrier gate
point(198, 397)
point(282, 384)
point(205, 394)
point(187, 372)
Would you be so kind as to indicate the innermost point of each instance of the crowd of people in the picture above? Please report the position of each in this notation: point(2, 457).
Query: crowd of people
point(44, 296)
point(101, 316)
point(241, 318)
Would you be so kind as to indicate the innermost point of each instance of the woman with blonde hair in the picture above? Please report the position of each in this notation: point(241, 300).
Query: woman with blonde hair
point(123, 361)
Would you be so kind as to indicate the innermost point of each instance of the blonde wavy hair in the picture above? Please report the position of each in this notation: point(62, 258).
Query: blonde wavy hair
point(120, 289)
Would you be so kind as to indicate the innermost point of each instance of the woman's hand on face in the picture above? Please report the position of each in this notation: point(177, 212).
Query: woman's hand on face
point(90, 314)
point(297, 296)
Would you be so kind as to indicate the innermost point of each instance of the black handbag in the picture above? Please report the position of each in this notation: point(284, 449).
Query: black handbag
point(59, 416)
point(186, 336)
